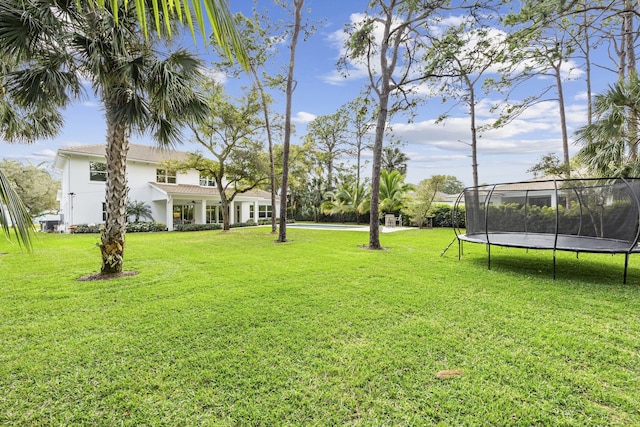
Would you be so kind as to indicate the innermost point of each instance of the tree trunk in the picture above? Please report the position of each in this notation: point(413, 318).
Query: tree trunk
point(224, 204)
point(112, 239)
point(272, 169)
point(282, 236)
point(563, 120)
point(632, 74)
point(474, 131)
point(376, 169)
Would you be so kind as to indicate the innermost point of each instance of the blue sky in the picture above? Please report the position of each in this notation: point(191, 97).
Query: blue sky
point(504, 154)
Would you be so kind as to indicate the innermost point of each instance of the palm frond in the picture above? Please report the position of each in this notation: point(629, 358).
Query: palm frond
point(14, 215)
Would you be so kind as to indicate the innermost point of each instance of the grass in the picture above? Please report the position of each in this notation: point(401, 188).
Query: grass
point(233, 329)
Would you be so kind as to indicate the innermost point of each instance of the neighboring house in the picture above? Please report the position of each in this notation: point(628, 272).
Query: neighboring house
point(174, 198)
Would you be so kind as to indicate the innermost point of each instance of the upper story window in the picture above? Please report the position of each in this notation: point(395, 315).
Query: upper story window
point(166, 176)
point(206, 181)
point(97, 171)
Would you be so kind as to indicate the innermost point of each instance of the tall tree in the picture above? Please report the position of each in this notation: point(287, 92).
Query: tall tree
point(297, 23)
point(547, 47)
point(34, 185)
point(609, 143)
point(329, 134)
point(231, 134)
point(394, 159)
point(260, 46)
point(465, 54)
point(359, 124)
point(387, 42)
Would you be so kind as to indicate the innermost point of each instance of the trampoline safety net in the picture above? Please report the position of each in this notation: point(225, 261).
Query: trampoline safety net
point(582, 215)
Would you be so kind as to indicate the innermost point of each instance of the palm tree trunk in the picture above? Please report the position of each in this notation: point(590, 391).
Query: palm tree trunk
point(112, 239)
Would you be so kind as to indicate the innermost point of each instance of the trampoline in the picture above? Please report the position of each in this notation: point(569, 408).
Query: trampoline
point(578, 215)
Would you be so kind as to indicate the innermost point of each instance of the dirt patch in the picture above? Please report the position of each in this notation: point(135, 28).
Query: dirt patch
point(100, 276)
point(369, 248)
point(449, 373)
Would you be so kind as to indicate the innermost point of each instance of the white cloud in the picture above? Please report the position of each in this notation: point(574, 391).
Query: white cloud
point(303, 117)
point(216, 75)
point(90, 104)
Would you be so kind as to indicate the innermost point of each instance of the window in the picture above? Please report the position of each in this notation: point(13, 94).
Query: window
point(206, 181)
point(264, 211)
point(104, 211)
point(182, 214)
point(211, 215)
point(165, 176)
point(97, 171)
point(252, 214)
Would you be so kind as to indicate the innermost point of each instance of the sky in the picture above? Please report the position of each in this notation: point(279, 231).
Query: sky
point(504, 155)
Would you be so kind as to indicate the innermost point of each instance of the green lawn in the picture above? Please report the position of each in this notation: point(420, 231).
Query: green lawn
point(234, 329)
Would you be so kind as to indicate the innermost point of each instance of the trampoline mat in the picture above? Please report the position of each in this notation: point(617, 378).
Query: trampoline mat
point(548, 241)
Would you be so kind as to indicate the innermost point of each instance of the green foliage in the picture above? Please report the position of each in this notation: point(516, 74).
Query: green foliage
point(610, 143)
point(443, 216)
point(393, 191)
point(33, 184)
point(249, 223)
point(197, 227)
point(14, 215)
point(134, 227)
point(138, 209)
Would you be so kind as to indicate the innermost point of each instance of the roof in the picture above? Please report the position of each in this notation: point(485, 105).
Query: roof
point(137, 152)
point(197, 190)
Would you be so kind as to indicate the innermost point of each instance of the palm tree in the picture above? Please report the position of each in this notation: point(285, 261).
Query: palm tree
point(23, 121)
point(393, 191)
point(138, 210)
point(394, 159)
point(354, 197)
point(610, 142)
point(139, 91)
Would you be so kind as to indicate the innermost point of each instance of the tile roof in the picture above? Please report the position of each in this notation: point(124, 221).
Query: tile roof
point(197, 190)
point(137, 152)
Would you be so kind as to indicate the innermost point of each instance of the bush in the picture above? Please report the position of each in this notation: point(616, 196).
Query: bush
point(442, 216)
point(249, 223)
point(134, 227)
point(198, 227)
point(143, 227)
point(86, 229)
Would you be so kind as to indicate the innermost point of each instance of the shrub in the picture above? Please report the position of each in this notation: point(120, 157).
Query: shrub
point(142, 227)
point(87, 228)
point(198, 227)
point(442, 216)
point(249, 223)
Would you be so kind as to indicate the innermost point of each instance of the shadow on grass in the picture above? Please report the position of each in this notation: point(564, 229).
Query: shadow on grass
point(587, 268)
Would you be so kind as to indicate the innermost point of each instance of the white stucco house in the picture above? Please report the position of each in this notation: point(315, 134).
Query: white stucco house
point(174, 198)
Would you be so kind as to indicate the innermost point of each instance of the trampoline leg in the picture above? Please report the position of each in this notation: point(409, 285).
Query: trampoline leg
point(459, 250)
point(626, 265)
point(489, 257)
point(554, 264)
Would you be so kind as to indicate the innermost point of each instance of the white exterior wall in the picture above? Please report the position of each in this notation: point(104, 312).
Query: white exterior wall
point(82, 199)
point(85, 206)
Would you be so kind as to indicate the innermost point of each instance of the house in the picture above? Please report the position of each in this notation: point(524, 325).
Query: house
point(174, 197)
